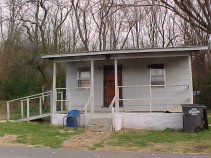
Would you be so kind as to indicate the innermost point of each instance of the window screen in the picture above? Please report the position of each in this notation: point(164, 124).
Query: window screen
point(83, 78)
point(157, 74)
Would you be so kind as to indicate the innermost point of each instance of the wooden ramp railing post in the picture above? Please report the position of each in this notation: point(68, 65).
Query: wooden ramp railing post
point(62, 100)
point(8, 111)
point(21, 108)
point(28, 110)
point(40, 104)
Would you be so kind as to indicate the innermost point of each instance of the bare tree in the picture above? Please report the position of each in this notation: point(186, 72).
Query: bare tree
point(81, 16)
point(61, 14)
point(195, 12)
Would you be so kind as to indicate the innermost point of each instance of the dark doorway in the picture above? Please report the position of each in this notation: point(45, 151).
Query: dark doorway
point(109, 84)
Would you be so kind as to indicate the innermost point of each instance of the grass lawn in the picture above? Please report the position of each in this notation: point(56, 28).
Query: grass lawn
point(162, 141)
point(38, 134)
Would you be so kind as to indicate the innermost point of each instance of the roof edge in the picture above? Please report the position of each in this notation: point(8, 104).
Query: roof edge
point(127, 51)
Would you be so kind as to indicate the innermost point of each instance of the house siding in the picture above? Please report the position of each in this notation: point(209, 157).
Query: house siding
point(135, 72)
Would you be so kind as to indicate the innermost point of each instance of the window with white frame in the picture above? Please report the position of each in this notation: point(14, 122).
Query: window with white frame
point(83, 77)
point(157, 72)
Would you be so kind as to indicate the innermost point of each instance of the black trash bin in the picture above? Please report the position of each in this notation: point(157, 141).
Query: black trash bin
point(194, 118)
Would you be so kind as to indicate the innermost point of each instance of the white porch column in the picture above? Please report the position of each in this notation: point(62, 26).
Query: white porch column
point(191, 82)
point(116, 86)
point(150, 91)
point(54, 95)
point(92, 86)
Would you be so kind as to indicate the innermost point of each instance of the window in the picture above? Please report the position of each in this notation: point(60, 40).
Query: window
point(83, 77)
point(157, 74)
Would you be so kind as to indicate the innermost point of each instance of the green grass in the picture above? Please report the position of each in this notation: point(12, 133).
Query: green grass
point(168, 140)
point(143, 138)
point(97, 145)
point(38, 134)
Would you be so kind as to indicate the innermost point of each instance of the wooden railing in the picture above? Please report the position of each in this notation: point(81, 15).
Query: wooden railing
point(111, 106)
point(85, 109)
point(150, 96)
point(63, 97)
point(19, 102)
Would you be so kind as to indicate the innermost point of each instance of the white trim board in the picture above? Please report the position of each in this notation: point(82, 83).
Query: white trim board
point(121, 52)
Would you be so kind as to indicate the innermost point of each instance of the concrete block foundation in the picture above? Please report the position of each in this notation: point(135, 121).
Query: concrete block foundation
point(136, 120)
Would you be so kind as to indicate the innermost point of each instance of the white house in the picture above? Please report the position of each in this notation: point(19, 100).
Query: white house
point(144, 87)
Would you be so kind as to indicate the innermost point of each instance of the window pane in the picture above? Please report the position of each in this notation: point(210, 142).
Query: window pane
point(159, 72)
point(84, 74)
point(153, 72)
point(83, 78)
point(84, 83)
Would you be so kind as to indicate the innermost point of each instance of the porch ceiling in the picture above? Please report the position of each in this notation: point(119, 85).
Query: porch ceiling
point(149, 52)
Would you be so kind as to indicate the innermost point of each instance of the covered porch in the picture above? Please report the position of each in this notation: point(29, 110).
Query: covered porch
point(128, 88)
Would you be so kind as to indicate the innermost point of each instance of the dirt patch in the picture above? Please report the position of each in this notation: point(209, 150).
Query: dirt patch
point(85, 140)
point(8, 139)
point(201, 147)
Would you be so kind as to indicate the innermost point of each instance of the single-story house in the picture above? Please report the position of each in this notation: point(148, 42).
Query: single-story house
point(143, 87)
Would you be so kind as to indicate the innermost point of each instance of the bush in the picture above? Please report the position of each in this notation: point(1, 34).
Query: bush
point(18, 85)
point(205, 94)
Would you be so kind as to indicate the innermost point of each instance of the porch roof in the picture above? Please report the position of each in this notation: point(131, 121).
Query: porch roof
point(131, 52)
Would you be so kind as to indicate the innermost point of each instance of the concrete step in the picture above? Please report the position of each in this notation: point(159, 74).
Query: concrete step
point(100, 121)
point(102, 115)
point(97, 128)
point(100, 125)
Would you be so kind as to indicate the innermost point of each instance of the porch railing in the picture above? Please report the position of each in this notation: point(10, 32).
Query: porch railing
point(29, 106)
point(111, 106)
point(63, 98)
point(150, 97)
point(85, 109)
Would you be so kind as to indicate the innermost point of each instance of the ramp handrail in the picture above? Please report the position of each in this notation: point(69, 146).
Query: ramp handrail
point(30, 96)
point(85, 110)
point(111, 106)
point(40, 96)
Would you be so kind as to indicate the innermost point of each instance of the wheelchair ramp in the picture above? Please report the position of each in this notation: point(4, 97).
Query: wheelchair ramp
point(29, 108)
point(34, 117)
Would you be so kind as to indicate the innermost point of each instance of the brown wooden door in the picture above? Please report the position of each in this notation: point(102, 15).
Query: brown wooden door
point(109, 84)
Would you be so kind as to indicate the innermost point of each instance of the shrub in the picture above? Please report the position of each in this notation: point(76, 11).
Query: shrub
point(18, 85)
point(205, 94)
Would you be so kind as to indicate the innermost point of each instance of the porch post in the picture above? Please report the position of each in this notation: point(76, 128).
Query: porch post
point(150, 91)
point(191, 82)
point(92, 86)
point(54, 94)
point(116, 86)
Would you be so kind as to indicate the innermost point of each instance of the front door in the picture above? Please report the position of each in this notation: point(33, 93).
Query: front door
point(109, 84)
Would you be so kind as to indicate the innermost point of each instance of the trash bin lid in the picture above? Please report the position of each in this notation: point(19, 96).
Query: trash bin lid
point(193, 106)
point(193, 109)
